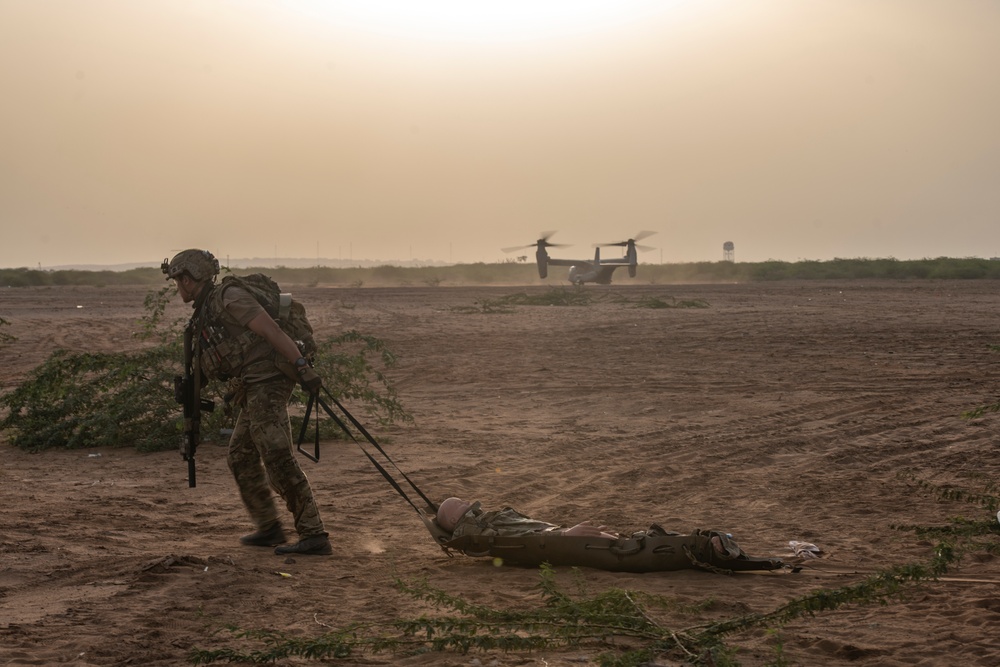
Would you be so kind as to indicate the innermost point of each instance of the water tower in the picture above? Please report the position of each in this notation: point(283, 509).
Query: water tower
point(728, 250)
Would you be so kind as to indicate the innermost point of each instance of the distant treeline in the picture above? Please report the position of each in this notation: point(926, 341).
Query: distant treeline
point(941, 268)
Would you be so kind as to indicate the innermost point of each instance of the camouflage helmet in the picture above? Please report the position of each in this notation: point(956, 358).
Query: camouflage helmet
point(199, 264)
point(451, 511)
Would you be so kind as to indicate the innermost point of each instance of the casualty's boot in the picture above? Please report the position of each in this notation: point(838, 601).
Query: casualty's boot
point(265, 538)
point(317, 545)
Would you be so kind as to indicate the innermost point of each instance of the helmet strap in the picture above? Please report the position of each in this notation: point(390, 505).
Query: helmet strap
point(206, 289)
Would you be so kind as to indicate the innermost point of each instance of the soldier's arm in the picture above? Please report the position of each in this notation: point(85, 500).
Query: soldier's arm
point(265, 327)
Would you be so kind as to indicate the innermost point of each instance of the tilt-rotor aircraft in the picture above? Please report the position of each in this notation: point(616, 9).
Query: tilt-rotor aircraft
point(585, 270)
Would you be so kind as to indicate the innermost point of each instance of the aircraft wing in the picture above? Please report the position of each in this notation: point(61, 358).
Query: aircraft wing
point(583, 264)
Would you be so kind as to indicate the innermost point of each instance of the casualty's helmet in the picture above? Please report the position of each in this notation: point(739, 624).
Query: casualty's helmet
point(451, 511)
point(199, 264)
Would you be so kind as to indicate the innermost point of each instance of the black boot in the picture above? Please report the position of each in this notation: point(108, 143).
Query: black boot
point(265, 538)
point(317, 545)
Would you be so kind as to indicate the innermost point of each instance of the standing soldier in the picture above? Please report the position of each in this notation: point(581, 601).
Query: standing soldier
point(235, 339)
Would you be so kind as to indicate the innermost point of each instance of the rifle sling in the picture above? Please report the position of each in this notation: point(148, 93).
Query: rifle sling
point(192, 365)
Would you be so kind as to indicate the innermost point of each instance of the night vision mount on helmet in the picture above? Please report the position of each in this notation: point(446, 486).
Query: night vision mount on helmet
point(199, 264)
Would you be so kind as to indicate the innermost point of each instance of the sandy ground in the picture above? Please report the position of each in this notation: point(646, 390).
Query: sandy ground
point(819, 412)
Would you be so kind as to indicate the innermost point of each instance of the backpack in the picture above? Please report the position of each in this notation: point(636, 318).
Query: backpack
point(286, 311)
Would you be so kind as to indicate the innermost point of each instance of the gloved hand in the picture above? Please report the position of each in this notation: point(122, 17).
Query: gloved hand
point(310, 380)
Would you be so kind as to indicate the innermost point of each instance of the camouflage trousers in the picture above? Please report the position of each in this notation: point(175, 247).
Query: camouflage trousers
point(261, 458)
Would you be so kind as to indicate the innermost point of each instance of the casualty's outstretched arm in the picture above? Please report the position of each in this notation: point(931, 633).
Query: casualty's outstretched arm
point(586, 529)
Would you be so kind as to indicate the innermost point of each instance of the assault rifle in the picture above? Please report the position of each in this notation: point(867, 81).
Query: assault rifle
point(187, 392)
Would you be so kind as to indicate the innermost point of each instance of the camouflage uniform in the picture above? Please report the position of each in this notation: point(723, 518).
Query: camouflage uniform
point(506, 522)
point(706, 549)
point(261, 456)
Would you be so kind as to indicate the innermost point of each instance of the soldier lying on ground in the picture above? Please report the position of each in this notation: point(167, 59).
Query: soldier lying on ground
point(460, 518)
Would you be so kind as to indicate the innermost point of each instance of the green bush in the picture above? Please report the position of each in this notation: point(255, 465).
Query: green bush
point(126, 399)
point(96, 400)
point(4, 336)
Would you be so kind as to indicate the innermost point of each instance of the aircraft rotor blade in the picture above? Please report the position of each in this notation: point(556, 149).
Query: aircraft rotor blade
point(535, 245)
point(638, 237)
point(542, 242)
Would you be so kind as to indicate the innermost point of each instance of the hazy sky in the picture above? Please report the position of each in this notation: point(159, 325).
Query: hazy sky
point(797, 129)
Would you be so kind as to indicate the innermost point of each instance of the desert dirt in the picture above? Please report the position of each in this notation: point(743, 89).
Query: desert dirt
point(823, 412)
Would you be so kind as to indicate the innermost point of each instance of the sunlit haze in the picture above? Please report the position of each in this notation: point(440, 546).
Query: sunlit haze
point(447, 130)
point(479, 22)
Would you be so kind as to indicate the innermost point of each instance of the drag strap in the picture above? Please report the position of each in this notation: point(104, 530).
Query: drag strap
point(361, 429)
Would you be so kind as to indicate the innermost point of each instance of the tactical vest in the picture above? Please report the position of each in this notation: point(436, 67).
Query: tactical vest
point(283, 309)
point(227, 347)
